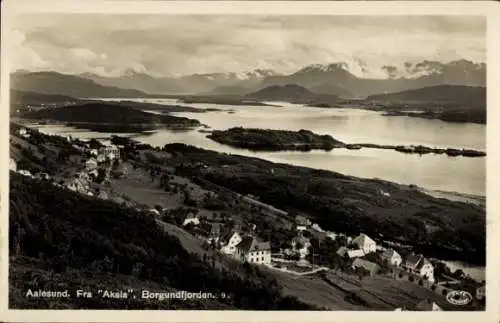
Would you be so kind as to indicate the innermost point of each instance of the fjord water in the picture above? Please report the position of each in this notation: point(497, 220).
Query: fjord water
point(434, 172)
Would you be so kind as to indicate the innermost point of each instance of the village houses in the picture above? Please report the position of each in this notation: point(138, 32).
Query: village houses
point(253, 251)
point(417, 264)
point(365, 243)
point(392, 257)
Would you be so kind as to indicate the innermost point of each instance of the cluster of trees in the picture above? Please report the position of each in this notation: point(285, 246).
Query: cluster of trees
point(70, 232)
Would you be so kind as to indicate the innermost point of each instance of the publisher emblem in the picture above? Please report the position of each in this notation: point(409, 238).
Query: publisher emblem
point(459, 297)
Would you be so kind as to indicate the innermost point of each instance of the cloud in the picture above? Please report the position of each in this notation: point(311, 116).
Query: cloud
point(392, 71)
point(171, 45)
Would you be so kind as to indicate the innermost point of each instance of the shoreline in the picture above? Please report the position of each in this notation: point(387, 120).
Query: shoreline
point(258, 140)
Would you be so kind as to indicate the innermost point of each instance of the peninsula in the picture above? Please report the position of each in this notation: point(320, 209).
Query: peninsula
point(111, 117)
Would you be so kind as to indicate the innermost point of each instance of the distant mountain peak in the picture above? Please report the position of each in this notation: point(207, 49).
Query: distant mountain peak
point(324, 68)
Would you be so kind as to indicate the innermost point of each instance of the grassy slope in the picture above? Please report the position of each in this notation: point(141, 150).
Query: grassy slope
point(64, 237)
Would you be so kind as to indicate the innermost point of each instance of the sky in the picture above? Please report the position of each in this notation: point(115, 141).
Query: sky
point(167, 45)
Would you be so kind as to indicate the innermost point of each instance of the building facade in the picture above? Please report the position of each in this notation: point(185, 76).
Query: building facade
point(230, 242)
point(365, 243)
point(253, 251)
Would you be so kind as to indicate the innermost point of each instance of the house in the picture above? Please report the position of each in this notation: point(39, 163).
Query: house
point(93, 173)
point(253, 251)
point(412, 262)
point(416, 263)
point(91, 164)
point(229, 242)
point(301, 245)
point(301, 228)
point(392, 257)
point(331, 235)
point(111, 149)
point(25, 173)
point(302, 221)
point(365, 243)
point(215, 232)
point(154, 211)
point(371, 267)
point(351, 253)
point(101, 158)
point(481, 292)
point(24, 133)
point(426, 269)
point(427, 305)
point(43, 176)
point(316, 227)
point(342, 251)
point(191, 218)
point(103, 195)
point(12, 165)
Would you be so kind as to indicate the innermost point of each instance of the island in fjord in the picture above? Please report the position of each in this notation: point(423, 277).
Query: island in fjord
point(305, 140)
point(274, 140)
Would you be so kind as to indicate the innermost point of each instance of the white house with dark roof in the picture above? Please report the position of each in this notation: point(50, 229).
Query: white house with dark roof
point(392, 257)
point(365, 243)
point(417, 264)
point(253, 251)
point(191, 218)
point(229, 242)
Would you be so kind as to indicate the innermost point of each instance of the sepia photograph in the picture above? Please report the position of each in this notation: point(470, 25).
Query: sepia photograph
point(256, 162)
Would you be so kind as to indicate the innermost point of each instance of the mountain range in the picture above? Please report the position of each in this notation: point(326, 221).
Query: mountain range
point(331, 79)
point(68, 85)
point(472, 96)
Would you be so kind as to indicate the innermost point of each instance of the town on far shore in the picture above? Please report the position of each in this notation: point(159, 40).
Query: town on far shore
point(98, 168)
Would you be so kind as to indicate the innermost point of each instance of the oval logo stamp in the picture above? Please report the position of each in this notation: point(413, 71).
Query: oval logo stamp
point(459, 297)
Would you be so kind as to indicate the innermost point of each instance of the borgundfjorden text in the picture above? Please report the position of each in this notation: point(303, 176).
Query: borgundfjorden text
point(124, 294)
